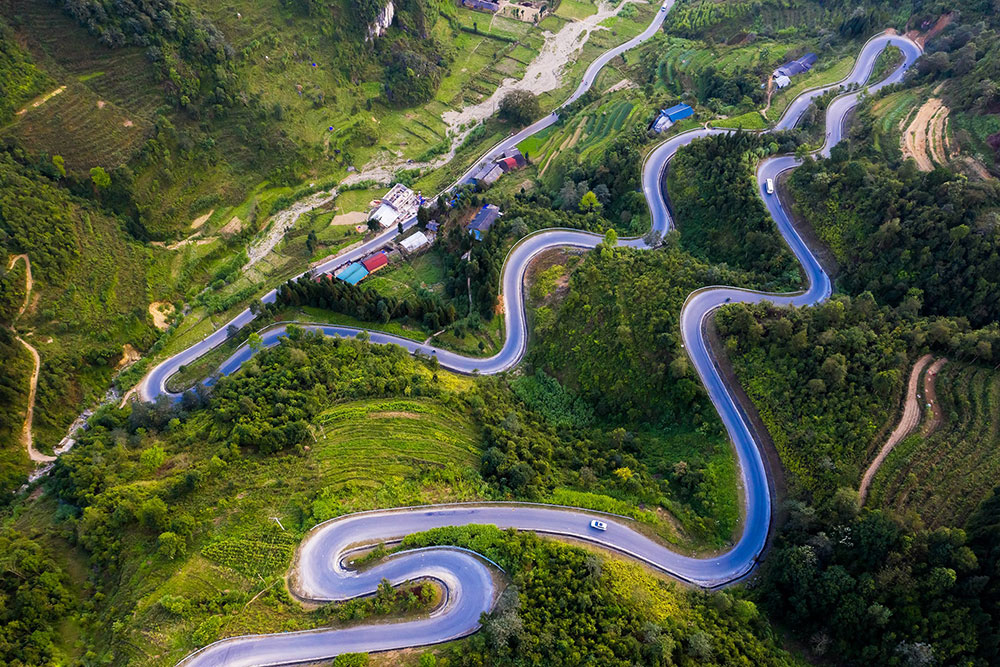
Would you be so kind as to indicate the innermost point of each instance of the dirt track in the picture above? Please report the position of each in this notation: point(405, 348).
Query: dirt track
point(930, 394)
point(26, 433)
point(908, 422)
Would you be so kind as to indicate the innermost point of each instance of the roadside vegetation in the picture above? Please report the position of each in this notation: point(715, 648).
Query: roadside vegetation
point(825, 382)
point(902, 234)
point(598, 609)
point(187, 515)
point(156, 148)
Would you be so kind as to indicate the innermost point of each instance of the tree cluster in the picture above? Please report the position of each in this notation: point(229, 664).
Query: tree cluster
point(864, 589)
point(520, 107)
point(192, 56)
point(568, 607)
point(34, 598)
point(900, 233)
point(719, 213)
point(425, 309)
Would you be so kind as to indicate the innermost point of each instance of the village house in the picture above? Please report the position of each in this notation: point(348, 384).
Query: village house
point(484, 219)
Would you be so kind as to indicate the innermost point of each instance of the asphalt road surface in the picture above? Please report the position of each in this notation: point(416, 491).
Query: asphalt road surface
point(320, 573)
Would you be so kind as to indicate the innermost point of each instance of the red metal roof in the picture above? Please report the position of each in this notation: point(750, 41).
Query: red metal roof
point(511, 163)
point(375, 262)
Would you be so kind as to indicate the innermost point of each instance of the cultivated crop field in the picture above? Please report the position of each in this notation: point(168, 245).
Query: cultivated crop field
point(384, 453)
point(583, 138)
point(943, 475)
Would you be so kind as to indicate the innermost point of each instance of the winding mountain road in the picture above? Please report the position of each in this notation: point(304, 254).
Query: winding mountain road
point(320, 573)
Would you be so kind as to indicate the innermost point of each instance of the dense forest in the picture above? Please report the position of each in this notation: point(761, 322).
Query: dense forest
point(838, 367)
point(861, 586)
point(622, 315)
point(904, 234)
point(34, 599)
point(863, 589)
point(719, 214)
point(192, 57)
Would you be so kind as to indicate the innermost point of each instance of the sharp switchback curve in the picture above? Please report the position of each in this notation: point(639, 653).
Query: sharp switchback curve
point(320, 573)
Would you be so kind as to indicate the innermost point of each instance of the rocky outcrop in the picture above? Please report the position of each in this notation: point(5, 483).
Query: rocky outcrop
point(382, 21)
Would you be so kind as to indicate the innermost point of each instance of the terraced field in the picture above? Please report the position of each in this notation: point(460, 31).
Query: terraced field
point(103, 115)
point(942, 476)
point(85, 130)
point(584, 137)
point(122, 76)
point(380, 448)
point(682, 58)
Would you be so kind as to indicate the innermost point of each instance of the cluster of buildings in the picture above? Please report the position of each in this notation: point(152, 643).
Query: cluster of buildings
point(399, 204)
point(489, 172)
point(355, 272)
point(529, 11)
point(783, 75)
point(670, 116)
point(402, 203)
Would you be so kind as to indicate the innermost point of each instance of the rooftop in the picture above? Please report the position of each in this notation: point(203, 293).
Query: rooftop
point(411, 243)
point(487, 215)
point(398, 196)
point(353, 274)
point(375, 262)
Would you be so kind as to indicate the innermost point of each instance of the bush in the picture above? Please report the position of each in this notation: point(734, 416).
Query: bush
point(520, 107)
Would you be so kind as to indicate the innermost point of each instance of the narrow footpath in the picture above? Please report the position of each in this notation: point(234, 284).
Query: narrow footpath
point(27, 437)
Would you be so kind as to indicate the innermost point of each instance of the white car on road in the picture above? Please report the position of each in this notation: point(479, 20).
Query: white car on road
point(769, 186)
point(598, 525)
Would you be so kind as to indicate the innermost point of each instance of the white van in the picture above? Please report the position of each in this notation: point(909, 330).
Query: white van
point(769, 186)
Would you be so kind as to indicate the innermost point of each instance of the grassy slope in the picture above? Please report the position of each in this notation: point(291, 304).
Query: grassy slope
point(941, 477)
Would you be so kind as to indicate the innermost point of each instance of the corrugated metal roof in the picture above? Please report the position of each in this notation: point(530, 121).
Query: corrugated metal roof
point(385, 215)
point(485, 218)
point(353, 274)
point(375, 262)
point(678, 111)
point(411, 243)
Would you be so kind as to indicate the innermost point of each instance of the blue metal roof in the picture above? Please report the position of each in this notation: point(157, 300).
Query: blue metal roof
point(353, 274)
point(678, 111)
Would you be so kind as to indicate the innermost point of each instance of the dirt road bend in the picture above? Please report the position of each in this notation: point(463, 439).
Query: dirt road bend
point(908, 422)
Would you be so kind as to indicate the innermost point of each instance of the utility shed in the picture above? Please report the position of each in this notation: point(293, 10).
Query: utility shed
point(375, 262)
point(782, 81)
point(414, 242)
point(678, 112)
point(481, 224)
point(353, 274)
